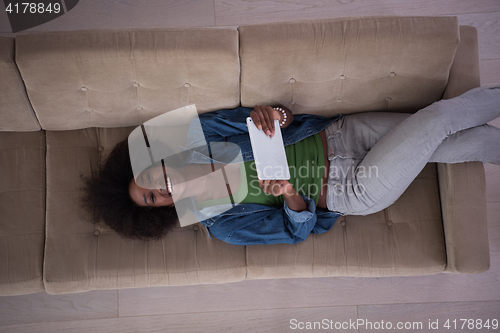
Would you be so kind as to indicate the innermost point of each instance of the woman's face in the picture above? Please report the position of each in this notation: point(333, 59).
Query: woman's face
point(154, 188)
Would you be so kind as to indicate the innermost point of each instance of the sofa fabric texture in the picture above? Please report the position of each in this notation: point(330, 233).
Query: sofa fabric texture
point(90, 89)
point(464, 202)
point(16, 113)
point(123, 78)
point(94, 256)
point(22, 211)
point(466, 241)
point(404, 239)
point(346, 66)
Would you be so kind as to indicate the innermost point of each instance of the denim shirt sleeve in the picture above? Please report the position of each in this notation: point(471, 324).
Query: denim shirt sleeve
point(270, 225)
point(225, 123)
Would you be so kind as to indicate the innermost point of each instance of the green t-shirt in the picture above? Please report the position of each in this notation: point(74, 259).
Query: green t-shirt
point(306, 164)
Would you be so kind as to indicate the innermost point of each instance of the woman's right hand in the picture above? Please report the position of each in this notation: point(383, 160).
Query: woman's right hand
point(277, 187)
point(263, 117)
point(285, 188)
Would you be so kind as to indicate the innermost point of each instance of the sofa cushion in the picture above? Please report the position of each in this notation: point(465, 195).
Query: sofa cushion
point(16, 113)
point(327, 67)
point(80, 256)
point(404, 239)
point(22, 211)
point(116, 78)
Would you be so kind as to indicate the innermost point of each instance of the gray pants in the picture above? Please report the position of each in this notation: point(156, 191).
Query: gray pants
point(375, 156)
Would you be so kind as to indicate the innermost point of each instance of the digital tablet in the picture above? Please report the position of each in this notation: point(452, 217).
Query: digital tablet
point(269, 153)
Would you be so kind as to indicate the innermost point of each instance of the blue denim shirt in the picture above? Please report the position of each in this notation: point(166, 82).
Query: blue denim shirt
point(249, 224)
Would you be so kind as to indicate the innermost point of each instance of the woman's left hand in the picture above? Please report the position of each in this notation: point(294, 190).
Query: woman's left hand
point(263, 117)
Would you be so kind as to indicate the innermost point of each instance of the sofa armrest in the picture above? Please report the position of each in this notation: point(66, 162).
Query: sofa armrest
point(463, 186)
point(464, 72)
point(462, 189)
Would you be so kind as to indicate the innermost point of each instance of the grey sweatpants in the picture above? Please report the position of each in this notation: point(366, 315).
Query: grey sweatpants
point(375, 156)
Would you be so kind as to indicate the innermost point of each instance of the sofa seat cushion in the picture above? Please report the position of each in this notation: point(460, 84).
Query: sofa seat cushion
point(404, 239)
point(116, 78)
point(81, 256)
point(22, 211)
point(327, 67)
point(16, 113)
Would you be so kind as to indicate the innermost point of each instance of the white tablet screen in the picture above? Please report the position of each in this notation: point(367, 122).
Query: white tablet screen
point(269, 153)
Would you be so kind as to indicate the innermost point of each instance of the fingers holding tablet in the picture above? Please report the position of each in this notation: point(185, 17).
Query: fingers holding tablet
point(276, 187)
point(263, 117)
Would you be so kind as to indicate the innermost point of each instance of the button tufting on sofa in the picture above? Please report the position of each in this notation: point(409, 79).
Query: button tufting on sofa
point(388, 99)
point(135, 84)
point(84, 89)
point(392, 74)
point(187, 85)
point(138, 108)
point(97, 232)
point(292, 80)
point(389, 223)
point(342, 223)
point(342, 77)
point(195, 228)
point(88, 110)
point(101, 148)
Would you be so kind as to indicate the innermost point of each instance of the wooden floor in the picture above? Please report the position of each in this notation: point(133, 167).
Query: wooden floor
point(270, 305)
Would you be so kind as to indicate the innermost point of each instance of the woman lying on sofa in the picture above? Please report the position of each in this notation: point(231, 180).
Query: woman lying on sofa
point(355, 164)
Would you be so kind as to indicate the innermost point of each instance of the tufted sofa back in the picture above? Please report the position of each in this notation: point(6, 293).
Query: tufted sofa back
point(119, 78)
point(122, 78)
point(344, 66)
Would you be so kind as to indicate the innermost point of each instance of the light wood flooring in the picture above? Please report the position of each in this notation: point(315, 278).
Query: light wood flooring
point(270, 305)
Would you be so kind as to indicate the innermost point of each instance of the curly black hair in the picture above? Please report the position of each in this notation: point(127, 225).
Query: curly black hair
point(107, 198)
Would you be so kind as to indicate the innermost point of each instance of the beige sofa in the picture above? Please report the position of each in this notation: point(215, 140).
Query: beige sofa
point(68, 97)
